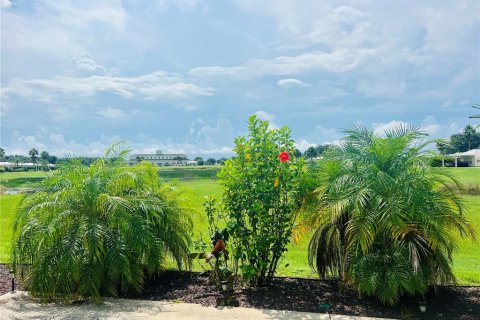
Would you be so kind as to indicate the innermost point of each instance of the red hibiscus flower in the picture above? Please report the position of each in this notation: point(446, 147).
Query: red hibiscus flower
point(284, 156)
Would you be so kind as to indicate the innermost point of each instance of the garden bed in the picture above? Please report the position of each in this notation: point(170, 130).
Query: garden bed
point(300, 294)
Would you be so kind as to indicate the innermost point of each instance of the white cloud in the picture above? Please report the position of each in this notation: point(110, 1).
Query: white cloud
point(210, 136)
point(380, 128)
point(154, 86)
point(391, 54)
point(428, 125)
point(265, 116)
point(56, 144)
point(336, 61)
point(287, 83)
point(114, 114)
point(80, 15)
point(320, 135)
point(434, 129)
point(382, 87)
point(5, 4)
point(303, 145)
point(87, 63)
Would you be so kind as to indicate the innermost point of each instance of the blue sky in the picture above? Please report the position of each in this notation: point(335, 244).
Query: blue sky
point(184, 75)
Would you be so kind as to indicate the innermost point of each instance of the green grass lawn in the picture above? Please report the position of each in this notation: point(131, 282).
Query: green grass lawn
point(295, 262)
point(189, 173)
point(467, 258)
point(8, 203)
point(21, 179)
point(466, 175)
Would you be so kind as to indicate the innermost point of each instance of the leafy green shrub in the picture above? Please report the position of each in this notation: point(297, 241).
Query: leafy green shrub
point(386, 220)
point(448, 162)
point(261, 197)
point(436, 161)
point(98, 230)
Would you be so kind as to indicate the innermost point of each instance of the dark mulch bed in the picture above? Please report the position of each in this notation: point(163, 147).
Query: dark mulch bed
point(6, 281)
point(300, 294)
point(303, 295)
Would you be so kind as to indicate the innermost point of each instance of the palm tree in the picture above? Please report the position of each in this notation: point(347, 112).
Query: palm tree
point(477, 116)
point(98, 230)
point(385, 221)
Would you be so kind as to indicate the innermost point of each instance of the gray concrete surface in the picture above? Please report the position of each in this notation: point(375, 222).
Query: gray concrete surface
point(19, 305)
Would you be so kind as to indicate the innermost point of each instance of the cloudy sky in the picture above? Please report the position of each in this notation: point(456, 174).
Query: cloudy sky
point(184, 75)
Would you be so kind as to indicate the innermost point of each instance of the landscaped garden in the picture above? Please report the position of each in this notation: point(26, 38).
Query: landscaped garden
point(372, 219)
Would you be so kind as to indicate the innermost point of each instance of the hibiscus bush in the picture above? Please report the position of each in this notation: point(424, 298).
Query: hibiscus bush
point(261, 198)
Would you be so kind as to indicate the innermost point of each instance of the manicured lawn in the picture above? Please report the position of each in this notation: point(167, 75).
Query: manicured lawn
point(295, 262)
point(466, 260)
point(8, 203)
point(189, 173)
point(21, 179)
point(466, 175)
point(195, 192)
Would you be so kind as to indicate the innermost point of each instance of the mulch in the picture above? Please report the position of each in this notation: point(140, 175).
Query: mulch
point(6, 281)
point(300, 294)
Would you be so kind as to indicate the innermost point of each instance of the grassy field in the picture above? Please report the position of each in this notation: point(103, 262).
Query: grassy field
point(295, 261)
point(8, 203)
point(189, 173)
point(468, 176)
point(466, 259)
point(21, 179)
point(195, 188)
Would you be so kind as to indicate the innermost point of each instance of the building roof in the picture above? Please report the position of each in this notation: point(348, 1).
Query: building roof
point(473, 152)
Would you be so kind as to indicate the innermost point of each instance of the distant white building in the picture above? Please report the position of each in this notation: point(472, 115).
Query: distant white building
point(25, 165)
point(472, 157)
point(160, 159)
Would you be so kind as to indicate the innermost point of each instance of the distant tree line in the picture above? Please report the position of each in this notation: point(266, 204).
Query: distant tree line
point(460, 142)
point(33, 156)
point(314, 152)
point(310, 153)
point(210, 161)
point(43, 159)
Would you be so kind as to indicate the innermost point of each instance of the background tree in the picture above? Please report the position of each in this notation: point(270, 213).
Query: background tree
point(477, 106)
point(385, 220)
point(221, 161)
point(44, 164)
point(98, 230)
point(297, 153)
point(210, 161)
point(467, 140)
point(460, 142)
point(310, 153)
point(444, 147)
point(2, 154)
point(17, 159)
point(52, 159)
point(33, 153)
point(44, 155)
point(322, 148)
point(200, 161)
